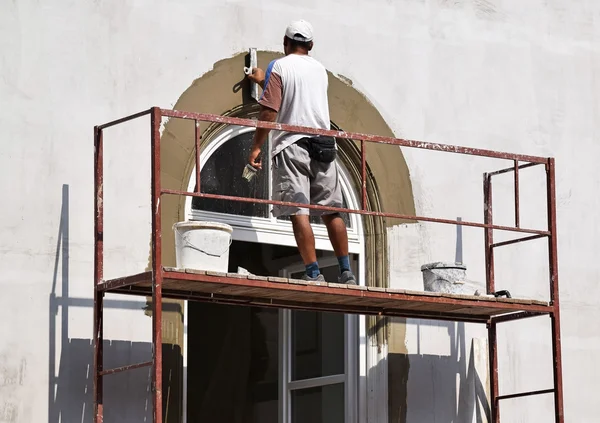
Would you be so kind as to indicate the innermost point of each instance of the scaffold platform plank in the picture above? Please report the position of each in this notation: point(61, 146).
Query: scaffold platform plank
point(259, 291)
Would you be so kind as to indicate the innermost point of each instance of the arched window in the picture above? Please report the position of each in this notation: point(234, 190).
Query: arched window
point(222, 164)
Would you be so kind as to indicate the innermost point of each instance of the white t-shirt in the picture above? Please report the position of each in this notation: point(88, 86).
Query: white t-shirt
point(296, 88)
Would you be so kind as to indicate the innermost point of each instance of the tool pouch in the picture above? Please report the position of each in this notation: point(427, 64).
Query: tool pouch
point(320, 148)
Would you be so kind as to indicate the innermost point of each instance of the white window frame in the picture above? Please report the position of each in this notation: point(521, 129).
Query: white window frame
point(351, 363)
point(270, 230)
point(276, 232)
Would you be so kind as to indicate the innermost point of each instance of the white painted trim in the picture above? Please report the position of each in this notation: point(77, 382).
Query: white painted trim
point(363, 341)
point(352, 369)
point(284, 370)
point(184, 359)
point(264, 223)
point(263, 230)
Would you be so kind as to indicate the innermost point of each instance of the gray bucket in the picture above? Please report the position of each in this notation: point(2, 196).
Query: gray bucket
point(448, 278)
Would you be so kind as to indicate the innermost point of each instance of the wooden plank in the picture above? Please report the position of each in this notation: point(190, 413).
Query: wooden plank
point(209, 287)
point(479, 311)
point(438, 307)
point(337, 285)
point(195, 272)
point(274, 291)
point(357, 287)
point(237, 275)
point(423, 293)
point(184, 285)
point(376, 289)
point(473, 298)
point(257, 278)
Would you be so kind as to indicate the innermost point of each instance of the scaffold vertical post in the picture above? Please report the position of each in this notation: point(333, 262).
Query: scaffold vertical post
point(157, 275)
point(554, 292)
point(98, 337)
point(489, 233)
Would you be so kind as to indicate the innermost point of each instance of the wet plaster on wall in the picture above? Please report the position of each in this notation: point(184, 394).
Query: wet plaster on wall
point(217, 92)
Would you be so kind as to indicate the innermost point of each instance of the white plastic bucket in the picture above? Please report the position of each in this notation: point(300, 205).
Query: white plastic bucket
point(444, 277)
point(202, 245)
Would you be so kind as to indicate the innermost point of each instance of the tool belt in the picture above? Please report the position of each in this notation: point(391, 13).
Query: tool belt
point(320, 148)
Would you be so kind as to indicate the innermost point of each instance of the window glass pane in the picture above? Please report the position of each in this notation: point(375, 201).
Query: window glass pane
point(323, 404)
point(233, 368)
point(317, 344)
point(263, 387)
point(222, 174)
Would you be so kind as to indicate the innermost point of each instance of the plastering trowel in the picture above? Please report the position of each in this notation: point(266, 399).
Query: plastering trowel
point(248, 70)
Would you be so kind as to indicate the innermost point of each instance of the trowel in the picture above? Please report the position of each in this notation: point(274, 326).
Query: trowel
point(248, 71)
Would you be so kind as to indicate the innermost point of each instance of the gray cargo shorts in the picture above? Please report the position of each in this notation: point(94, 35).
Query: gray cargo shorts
point(298, 179)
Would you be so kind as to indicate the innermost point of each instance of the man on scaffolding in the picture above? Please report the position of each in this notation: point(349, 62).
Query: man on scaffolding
point(304, 169)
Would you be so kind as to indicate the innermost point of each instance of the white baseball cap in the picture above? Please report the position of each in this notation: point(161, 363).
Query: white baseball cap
point(299, 31)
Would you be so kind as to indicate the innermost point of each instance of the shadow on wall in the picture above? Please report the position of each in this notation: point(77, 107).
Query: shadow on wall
point(440, 388)
point(127, 395)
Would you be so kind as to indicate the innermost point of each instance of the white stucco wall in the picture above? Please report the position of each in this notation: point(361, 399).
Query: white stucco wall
point(507, 75)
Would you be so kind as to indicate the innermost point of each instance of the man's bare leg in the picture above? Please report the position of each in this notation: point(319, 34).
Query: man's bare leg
point(338, 235)
point(305, 239)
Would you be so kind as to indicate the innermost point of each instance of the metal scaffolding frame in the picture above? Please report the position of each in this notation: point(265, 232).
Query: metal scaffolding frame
point(163, 282)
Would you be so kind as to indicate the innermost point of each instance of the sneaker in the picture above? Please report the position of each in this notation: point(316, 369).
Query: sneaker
point(348, 278)
point(319, 278)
